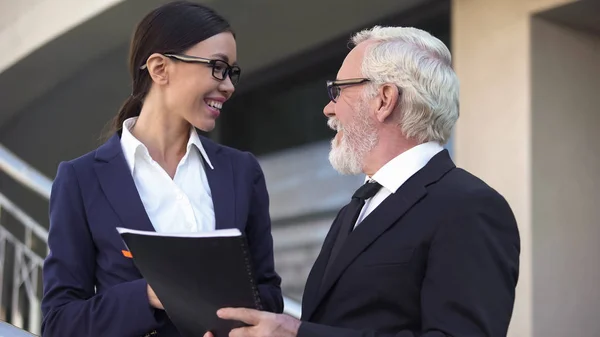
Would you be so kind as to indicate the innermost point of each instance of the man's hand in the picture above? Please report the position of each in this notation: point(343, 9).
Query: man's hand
point(262, 323)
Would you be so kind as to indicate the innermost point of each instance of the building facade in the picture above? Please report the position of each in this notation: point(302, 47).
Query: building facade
point(528, 73)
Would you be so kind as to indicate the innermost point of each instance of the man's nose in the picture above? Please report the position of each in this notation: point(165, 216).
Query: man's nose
point(329, 110)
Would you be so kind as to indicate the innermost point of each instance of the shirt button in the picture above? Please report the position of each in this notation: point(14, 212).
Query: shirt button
point(179, 196)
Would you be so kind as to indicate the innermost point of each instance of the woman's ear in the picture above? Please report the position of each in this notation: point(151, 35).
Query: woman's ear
point(388, 95)
point(157, 66)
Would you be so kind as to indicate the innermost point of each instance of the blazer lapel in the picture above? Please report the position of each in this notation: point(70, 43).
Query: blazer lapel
point(315, 277)
point(220, 180)
point(118, 186)
point(383, 217)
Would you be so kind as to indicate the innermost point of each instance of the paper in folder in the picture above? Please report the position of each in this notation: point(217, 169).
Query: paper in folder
point(196, 274)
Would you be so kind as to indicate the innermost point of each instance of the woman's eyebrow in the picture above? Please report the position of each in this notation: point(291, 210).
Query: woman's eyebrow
point(223, 57)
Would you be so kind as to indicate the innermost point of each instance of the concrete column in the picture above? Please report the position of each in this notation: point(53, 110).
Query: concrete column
point(492, 51)
point(565, 180)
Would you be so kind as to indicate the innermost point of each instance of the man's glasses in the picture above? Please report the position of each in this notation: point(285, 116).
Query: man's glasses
point(334, 88)
point(220, 68)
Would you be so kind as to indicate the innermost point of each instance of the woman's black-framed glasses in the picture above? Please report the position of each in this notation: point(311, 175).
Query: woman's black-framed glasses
point(220, 68)
point(334, 88)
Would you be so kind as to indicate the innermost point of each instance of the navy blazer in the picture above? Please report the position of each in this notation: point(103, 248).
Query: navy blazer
point(90, 288)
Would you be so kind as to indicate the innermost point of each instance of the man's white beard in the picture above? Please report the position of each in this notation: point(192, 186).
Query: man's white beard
point(357, 139)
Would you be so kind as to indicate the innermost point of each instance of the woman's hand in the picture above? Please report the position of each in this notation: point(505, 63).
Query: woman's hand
point(154, 301)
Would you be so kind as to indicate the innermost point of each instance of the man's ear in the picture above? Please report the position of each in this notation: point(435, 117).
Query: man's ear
point(388, 95)
point(157, 66)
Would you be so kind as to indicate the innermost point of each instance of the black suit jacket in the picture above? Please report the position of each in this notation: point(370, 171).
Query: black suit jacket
point(440, 257)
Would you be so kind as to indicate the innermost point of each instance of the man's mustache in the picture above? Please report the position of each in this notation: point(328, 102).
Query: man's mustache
point(334, 124)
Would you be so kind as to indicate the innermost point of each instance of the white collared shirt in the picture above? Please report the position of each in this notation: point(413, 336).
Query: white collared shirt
point(397, 171)
point(179, 205)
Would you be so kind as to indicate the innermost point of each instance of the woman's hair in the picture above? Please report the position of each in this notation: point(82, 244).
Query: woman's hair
point(171, 28)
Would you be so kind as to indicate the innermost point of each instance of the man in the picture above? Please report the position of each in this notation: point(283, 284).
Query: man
point(434, 251)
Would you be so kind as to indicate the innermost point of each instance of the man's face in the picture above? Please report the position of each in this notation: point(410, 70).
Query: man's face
point(351, 117)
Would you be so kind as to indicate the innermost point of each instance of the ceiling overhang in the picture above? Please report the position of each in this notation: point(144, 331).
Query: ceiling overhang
point(267, 32)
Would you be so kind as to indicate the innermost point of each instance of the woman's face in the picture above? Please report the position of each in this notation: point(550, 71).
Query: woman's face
point(192, 91)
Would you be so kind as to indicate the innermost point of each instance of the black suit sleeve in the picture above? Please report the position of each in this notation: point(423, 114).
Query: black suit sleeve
point(472, 272)
point(260, 241)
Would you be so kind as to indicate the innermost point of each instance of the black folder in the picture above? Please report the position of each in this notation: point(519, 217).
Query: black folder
point(196, 274)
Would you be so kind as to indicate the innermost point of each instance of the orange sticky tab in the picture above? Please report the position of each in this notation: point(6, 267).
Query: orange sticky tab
point(127, 253)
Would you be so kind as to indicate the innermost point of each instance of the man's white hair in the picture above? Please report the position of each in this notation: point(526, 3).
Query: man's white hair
point(420, 65)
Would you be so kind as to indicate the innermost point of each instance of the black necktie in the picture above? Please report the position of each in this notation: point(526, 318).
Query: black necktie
point(351, 214)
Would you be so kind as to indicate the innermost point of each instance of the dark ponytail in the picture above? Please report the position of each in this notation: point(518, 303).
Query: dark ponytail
point(171, 28)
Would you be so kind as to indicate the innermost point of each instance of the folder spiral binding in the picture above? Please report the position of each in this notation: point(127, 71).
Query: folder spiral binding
point(249, 269)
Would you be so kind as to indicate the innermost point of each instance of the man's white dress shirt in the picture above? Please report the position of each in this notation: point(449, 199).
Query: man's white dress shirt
point(179, 205)
point(397, 171)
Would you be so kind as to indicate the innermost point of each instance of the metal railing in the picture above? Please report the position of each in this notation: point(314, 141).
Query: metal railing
point(26, 264)
point(20, 265)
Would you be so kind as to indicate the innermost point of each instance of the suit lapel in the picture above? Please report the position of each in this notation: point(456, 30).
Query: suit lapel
point(220, 180)
point(118, 186)
point(382, 218)
point(315, 277)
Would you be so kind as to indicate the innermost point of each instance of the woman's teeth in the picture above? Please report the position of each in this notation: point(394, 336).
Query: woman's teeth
point(214, 104)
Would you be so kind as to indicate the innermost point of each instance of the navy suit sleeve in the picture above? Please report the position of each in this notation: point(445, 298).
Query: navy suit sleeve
point(472, 272)
point(70, 305)
point(260, 241)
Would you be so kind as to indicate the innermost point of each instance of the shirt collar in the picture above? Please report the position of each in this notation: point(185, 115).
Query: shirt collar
point(398, 170)
point(132, 145)
point(195, 140)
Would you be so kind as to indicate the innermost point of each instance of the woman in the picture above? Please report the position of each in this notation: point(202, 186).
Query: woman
point(154, 173)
